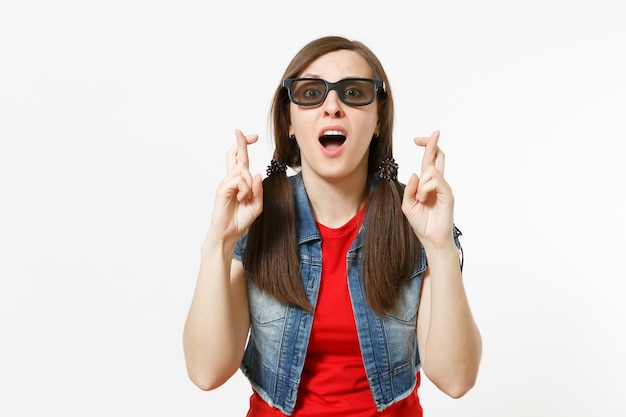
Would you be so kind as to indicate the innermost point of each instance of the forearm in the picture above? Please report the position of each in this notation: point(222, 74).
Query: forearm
point(453, 344)
point(217, 324)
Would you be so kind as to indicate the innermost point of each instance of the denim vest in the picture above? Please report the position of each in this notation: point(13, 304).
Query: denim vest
point(279, 333)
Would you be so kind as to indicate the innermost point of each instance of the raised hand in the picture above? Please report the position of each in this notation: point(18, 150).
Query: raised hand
point(239, 197)
point(428, 201)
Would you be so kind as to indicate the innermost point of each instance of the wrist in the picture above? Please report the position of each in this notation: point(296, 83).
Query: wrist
point(212, 245)
point(445, 251)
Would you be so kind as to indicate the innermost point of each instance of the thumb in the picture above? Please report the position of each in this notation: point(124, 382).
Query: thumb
point(257, 190)
point(410, 190)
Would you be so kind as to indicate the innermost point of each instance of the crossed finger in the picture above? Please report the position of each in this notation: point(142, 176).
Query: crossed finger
point(238, 153)
point(433, 155)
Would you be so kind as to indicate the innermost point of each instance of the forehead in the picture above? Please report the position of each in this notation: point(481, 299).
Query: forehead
point(337, 65)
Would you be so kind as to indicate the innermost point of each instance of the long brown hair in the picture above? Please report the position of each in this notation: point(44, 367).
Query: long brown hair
point(271, 256)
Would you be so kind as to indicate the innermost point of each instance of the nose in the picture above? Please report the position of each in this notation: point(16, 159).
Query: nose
point(332, 105)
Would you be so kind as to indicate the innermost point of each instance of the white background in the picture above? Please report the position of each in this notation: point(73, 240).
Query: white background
point(115, 117)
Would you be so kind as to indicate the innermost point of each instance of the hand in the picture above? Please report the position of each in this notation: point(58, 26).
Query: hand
point(428, 202)
point(239, 197)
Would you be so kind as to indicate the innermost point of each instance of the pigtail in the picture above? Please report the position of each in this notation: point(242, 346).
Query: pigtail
point(390, 244)
point(272, 254)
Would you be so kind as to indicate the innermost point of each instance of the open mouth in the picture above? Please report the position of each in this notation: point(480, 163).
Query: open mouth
point(332, 139)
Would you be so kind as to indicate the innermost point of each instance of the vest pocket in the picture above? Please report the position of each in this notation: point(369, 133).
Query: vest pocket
point(408, 301)
point(263, 307)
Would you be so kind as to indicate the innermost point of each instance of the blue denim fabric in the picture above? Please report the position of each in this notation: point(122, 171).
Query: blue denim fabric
point(279, 333)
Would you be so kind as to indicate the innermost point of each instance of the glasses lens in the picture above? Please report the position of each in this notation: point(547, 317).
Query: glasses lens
point(357, 92)
point(312, 91)
point(308, 92)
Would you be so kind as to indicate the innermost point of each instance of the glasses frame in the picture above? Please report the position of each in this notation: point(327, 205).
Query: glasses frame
point(379, 89)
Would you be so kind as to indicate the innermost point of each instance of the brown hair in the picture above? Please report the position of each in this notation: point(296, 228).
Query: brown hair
point(271, 256)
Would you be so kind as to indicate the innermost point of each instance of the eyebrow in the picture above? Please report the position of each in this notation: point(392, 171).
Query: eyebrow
point(342, 78)
point(310, 76)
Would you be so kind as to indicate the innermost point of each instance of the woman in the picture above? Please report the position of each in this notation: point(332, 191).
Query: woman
point(311, 283)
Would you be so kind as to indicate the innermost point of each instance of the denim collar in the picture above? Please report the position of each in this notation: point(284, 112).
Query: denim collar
point(306, 225)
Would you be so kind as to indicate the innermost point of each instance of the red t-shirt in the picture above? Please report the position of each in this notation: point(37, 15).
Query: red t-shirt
point(333, 380)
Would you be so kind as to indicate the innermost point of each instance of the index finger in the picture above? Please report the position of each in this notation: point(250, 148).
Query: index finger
point(432, 152)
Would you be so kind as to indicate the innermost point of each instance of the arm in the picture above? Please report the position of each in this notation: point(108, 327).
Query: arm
point(217, 324)
point(449, 342)
point(448, 338)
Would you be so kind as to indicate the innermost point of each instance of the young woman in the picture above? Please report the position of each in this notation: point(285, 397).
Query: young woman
point(310, 283)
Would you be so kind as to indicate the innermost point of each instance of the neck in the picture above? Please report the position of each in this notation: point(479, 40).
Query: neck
point(334, 203)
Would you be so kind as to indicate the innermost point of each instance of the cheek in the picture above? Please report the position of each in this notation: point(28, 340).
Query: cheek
point(301, 123)
point(370, 125)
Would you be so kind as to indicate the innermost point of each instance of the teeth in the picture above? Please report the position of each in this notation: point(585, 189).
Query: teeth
point(332, 133)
